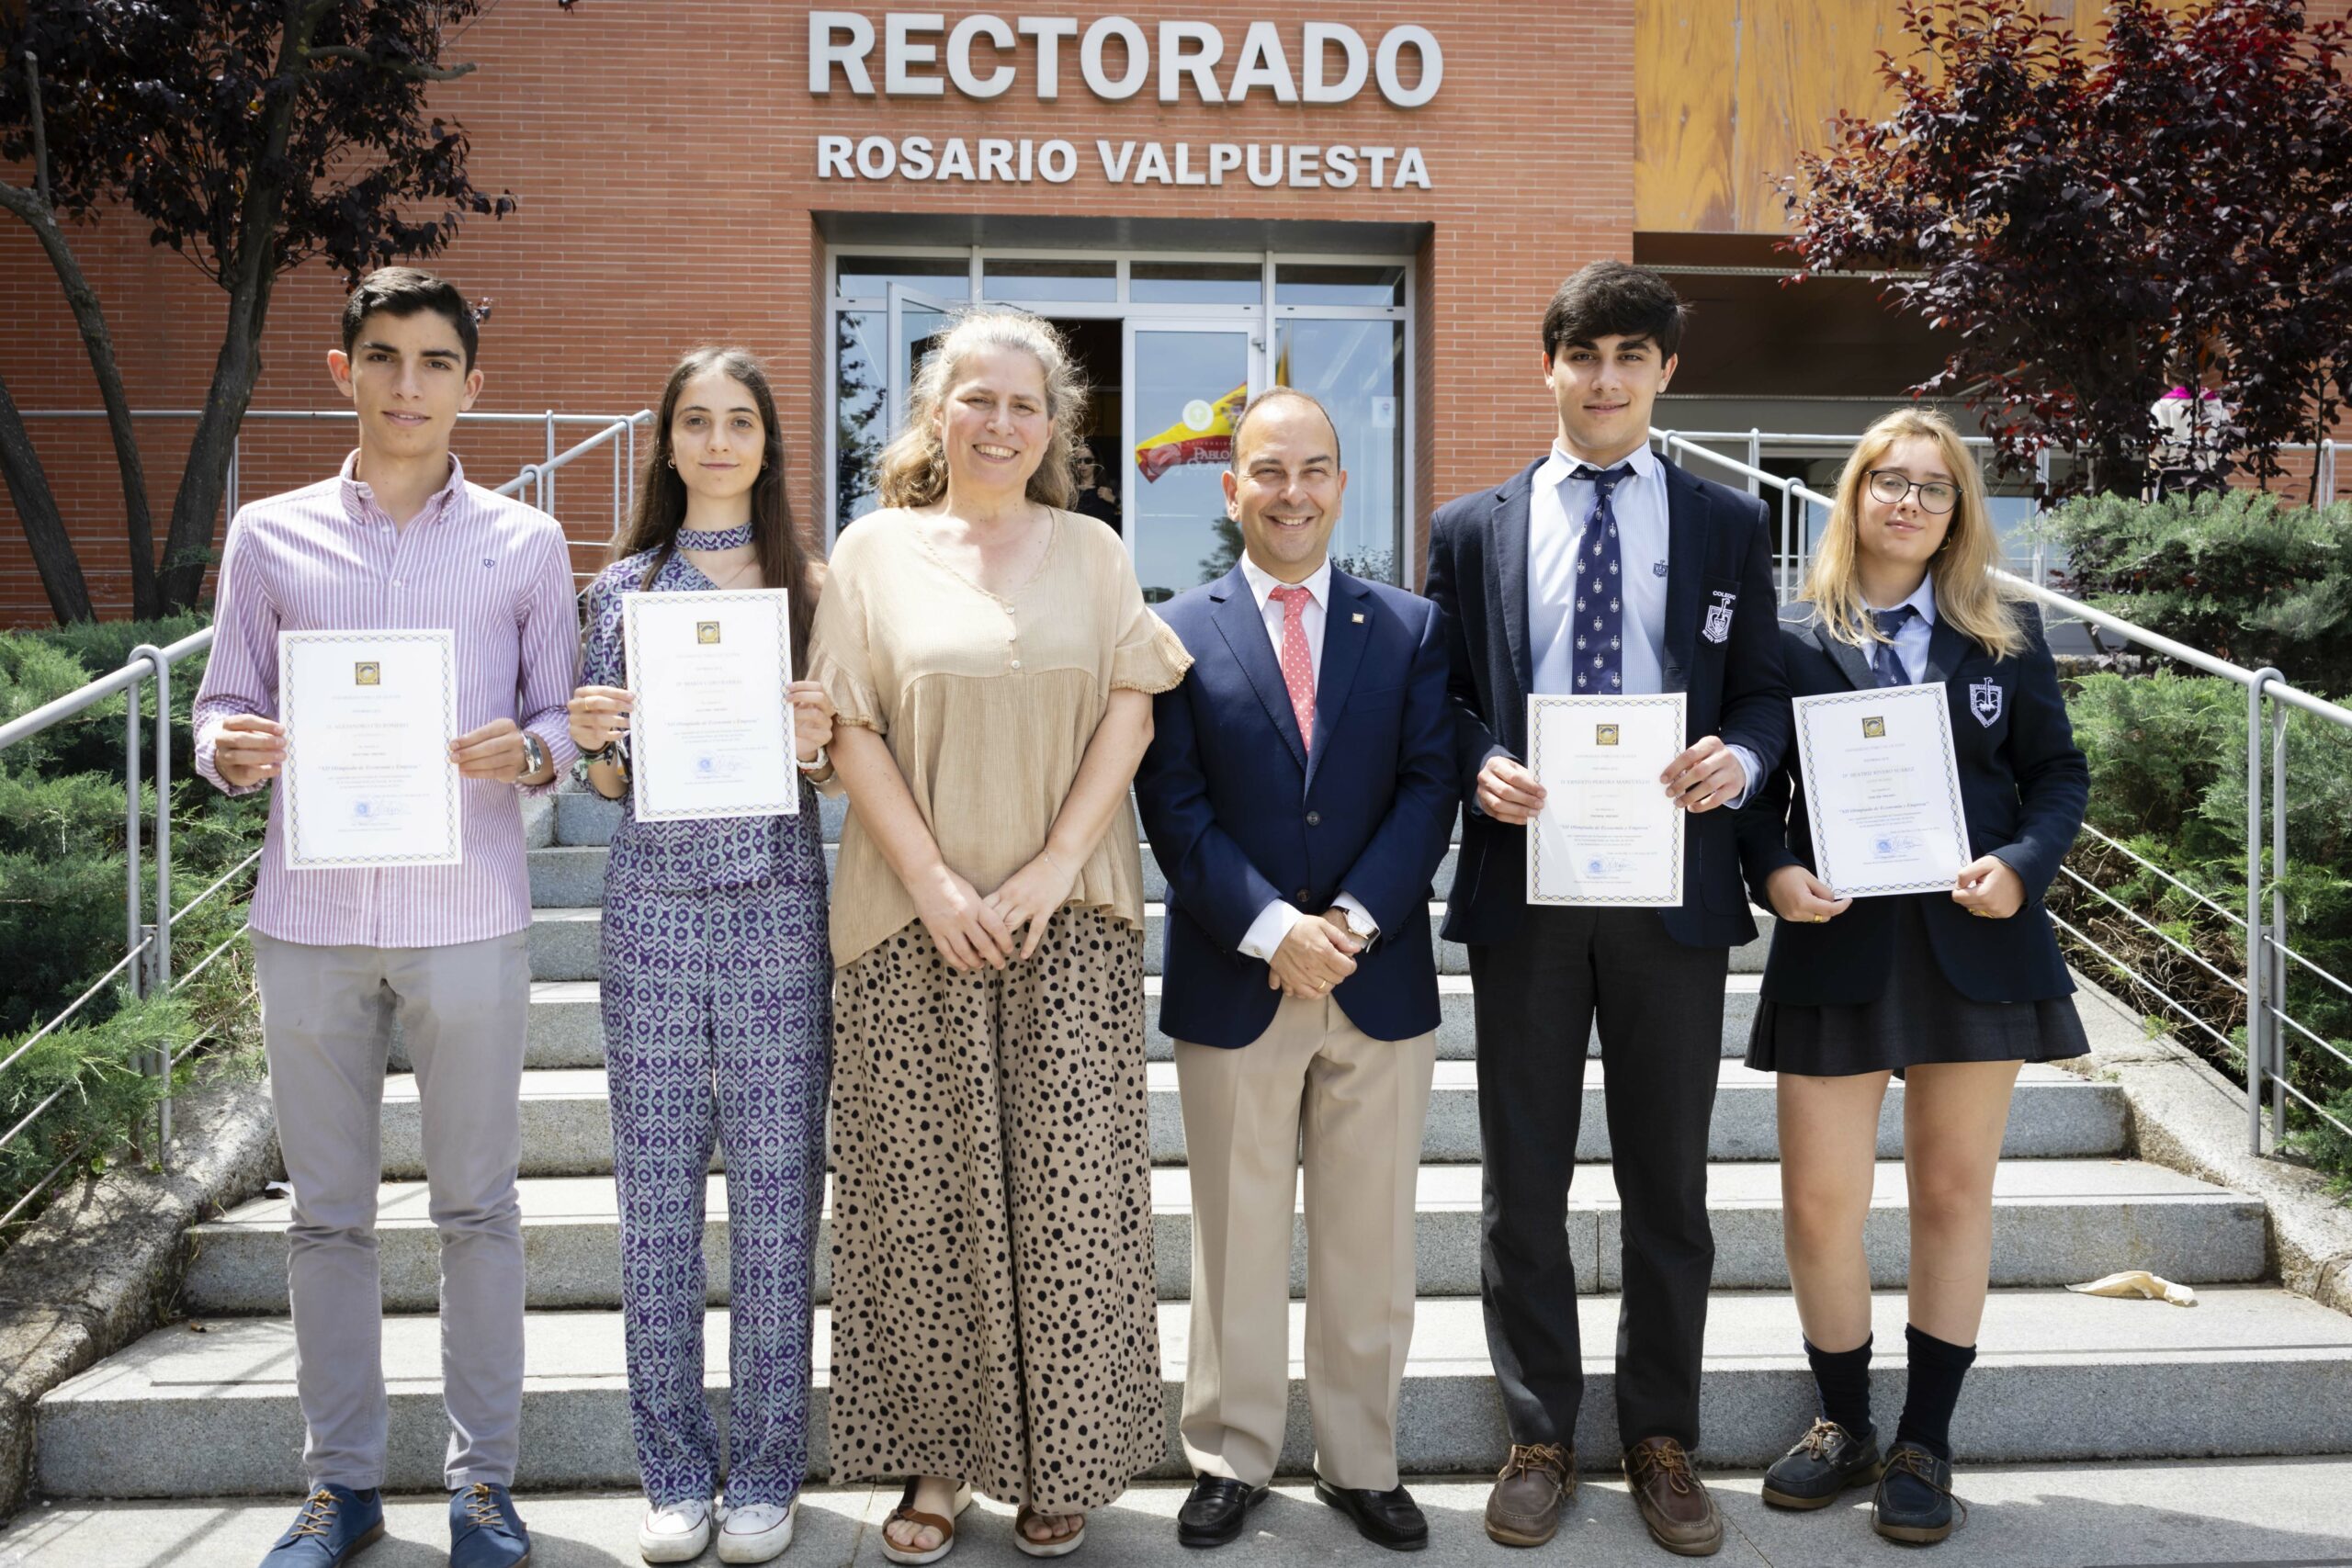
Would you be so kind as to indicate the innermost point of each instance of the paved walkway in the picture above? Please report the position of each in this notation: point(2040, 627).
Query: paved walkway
point(2215, 1514)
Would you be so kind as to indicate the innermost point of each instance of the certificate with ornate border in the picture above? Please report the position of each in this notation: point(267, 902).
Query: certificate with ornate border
point(1608, 835)
point(711, 732)
point(368, 719)
point(1882, 789)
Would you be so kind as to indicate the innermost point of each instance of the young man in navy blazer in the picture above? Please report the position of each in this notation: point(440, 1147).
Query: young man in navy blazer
point(1602, 567)
point(1299, 792)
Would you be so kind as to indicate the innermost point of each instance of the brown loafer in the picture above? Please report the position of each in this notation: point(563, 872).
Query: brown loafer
point(1524, 1507)
point(1680, 1516)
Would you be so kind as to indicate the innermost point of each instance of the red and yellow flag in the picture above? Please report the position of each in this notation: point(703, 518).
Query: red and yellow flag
point(1203, 435)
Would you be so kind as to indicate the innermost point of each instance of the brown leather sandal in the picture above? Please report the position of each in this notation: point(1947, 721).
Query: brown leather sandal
point(1034, 1548)
point(907, 1512)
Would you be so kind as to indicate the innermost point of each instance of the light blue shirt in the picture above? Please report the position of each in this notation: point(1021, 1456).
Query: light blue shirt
point(1558, 507)
point(1911, 640)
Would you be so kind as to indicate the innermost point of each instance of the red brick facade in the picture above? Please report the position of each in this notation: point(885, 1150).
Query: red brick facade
point(666, 158)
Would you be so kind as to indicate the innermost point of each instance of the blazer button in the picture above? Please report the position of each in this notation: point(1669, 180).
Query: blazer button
point(1303, 895)
point(1315, 818)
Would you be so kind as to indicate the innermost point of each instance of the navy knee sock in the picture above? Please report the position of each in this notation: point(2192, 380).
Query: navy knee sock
point(1843, 1379)
point(1936, 1368)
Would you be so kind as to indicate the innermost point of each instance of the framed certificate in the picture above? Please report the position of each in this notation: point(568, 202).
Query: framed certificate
point(1607, 834)
point(368, 719)
point(1882, 786)
point(711, 733)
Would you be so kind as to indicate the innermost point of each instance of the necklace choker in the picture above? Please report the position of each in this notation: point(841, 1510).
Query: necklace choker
point(716, 539)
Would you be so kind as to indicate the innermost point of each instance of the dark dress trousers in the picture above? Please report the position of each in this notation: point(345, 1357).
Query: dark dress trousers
point(2023, 787)
point(1239, 814)
point(1652, 980)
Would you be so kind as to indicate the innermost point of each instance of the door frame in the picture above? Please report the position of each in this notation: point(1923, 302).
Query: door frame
point(1251, 330)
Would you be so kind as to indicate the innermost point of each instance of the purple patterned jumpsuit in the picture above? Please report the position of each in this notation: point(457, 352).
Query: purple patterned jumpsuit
point(718, 1014)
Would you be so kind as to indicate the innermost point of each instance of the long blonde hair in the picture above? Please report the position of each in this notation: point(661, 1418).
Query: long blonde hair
point(1967, 594)
point(912, 470)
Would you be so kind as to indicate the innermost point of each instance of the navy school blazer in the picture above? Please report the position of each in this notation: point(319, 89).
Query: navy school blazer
point(1722, 647)
point(2023, 785)
point(1239, 814)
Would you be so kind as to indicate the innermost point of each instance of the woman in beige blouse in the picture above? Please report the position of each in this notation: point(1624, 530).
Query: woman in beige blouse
point(994, 1324)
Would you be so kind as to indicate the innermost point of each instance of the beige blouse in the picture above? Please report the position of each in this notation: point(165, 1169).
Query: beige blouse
point(989, 704)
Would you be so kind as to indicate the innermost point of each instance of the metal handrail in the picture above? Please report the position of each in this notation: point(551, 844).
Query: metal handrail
point(2262, 946)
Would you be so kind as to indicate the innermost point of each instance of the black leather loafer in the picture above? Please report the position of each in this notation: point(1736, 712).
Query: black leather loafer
point(1217, 1510)
point(1824, 1463)
point(1390, 1518)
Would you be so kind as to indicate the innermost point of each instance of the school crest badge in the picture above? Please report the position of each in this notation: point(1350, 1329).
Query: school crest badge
point(1604, 735)
point(1717, 627)
point(1873, 728)
point(1984, 702)
point(706, 631)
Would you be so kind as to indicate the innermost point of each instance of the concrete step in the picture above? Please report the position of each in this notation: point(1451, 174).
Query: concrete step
point(567, 1130)
point(2250, 1370)
point(567, 874)
point(2247, 1511)
point(566, 1028)
point(2054, 1222)
point(564, 942)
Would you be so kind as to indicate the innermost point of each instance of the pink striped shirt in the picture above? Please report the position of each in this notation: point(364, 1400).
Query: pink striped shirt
point(327, 558)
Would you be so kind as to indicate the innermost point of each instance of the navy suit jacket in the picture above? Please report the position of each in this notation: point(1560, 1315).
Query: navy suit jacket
point(1719, 551)
point(2023, 786)
point(1239, 814)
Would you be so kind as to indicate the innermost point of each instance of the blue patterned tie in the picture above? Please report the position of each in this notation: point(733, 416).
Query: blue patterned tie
point(1599, 620)
point(1885, 663)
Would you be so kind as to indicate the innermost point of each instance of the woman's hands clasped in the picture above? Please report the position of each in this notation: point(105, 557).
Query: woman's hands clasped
point(1030, 897)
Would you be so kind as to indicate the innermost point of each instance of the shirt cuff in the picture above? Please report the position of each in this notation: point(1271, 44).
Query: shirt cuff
point(1750, 768)
point(1360, 921)
point(1266, 932)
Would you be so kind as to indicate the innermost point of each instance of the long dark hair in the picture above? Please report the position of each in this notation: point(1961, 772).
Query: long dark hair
point(785, 558)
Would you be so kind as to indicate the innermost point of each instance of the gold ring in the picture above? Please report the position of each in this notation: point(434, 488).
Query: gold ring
point(1820, 919)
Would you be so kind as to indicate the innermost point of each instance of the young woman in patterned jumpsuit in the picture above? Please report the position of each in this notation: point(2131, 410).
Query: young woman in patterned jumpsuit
point(717, 996)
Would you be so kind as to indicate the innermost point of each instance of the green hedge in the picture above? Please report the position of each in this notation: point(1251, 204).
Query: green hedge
point(2259, 582)
point(61, 889)
point(2238, 574)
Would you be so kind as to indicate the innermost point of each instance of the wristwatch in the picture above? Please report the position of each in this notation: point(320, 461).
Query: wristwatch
point(534, 756)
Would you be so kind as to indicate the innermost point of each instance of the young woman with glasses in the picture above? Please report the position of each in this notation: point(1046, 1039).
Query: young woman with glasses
point(1949, 991)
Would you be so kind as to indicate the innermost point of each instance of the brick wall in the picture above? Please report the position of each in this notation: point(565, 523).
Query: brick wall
point(664, 156)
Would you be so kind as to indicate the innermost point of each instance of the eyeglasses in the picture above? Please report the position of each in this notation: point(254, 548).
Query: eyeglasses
point(1891, 486)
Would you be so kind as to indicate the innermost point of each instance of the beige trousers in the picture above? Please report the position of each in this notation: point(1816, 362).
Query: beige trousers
point(1313, 1085)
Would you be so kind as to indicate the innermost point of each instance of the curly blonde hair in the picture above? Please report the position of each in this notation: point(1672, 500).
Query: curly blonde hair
point(1967, 593)
point(912, 470)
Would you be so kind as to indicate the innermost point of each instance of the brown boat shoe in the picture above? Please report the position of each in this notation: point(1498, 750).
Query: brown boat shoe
point(1524, 1507)
point(1680, 1516)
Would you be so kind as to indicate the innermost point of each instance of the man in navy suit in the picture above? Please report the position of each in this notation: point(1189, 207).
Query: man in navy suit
point(1603, 569)
point(1299, 792)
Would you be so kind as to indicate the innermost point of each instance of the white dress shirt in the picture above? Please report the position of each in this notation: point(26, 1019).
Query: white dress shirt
point(1275, 921)
point(1558, 507)
point(1911, 641)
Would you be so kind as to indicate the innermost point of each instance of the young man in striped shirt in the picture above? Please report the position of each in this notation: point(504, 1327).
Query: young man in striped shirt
point(398, 539)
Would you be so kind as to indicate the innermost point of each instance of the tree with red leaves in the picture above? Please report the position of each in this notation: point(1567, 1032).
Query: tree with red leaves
point(2095, 225)
point(251, 136)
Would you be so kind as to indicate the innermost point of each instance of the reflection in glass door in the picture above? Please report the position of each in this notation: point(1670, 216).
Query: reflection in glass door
point(1186, 383)
point(916, 321)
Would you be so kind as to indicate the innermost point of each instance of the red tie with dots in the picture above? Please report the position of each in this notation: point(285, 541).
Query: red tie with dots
point(1298, 665)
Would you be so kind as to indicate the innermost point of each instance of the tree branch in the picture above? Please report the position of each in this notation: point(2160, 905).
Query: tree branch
point(99, 343)
point(40, 130)
point(411, 70)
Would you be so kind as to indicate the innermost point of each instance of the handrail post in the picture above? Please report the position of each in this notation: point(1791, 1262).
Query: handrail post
point(2256, 957)
point(1755, 459)
point(546, 498)
point(159, 955)
point(2277, 951)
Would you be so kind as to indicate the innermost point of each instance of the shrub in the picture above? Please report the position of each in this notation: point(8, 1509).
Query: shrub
point(2167, 764)
point(2237, 574)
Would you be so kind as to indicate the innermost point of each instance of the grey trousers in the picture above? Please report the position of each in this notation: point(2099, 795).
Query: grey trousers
point(327, 1017)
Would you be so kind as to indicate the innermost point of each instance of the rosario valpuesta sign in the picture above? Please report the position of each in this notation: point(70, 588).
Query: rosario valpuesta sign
point(920, 54)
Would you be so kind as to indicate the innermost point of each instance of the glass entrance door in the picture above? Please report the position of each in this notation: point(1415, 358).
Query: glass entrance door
point(916, 320)
point(1186, 384)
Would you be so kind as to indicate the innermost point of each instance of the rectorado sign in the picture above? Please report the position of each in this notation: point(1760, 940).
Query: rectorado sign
point(917, 54)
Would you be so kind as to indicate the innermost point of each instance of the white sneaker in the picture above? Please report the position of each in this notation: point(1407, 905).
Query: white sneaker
point(676, 1534)
point(756, 1532)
